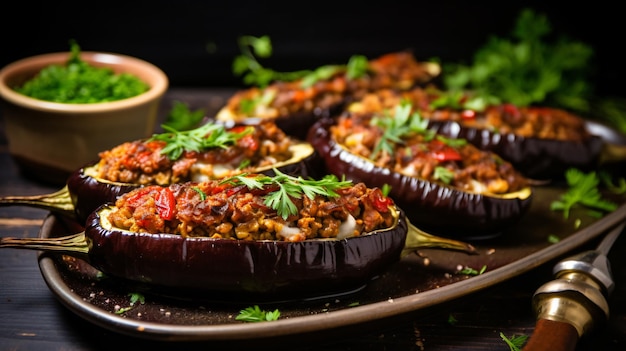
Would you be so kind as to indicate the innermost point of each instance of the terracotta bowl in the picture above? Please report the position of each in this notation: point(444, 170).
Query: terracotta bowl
point(49, 140)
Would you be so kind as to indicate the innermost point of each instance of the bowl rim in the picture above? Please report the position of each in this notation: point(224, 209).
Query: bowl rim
point(158, 83)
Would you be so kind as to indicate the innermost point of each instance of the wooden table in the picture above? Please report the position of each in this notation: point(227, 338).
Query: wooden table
point(31, 318)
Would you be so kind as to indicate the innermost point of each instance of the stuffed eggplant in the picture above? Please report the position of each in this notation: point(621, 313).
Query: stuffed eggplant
point(296, 105)
point(541, 142)
point(249, 234)
point(211, 151)
point(446, 185)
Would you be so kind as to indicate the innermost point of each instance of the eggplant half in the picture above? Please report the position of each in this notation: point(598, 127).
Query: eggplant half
point(87, 188)
point(541, 142)
point(296, 105)
point(234, 268)
point(537, 157)
point(433, 206)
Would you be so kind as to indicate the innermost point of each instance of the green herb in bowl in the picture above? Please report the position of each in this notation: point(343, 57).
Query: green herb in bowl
point(78, 82)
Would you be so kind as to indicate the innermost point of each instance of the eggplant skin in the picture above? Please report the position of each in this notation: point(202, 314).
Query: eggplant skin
point(88, 193)
point(438, 209)
point(259, 269)
point(536, 158)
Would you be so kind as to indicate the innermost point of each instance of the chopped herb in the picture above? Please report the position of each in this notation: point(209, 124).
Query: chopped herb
point(515, 342)
point(583, 191)
point(200, 192)
point(443, 174)
point(398, 125)
point(607, 180)
point(553, 239)
point(78, 82)
point(289, 187)
point(459, 100)
point(255, 314)
point(525, 68)
point(452, 320)
point(254, 73)
point(181, 117)
point(386, 189)
point(206, 137)
point(472, 271)
point(354, 304)
point(134, 299)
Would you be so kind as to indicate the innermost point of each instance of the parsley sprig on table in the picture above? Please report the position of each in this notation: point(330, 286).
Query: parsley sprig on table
point(205, 137)
point(254, 73)
point(583, 190)
point(288, 188)
point(255, 314)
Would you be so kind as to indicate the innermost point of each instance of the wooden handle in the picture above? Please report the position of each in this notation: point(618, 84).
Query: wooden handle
point(552, 336)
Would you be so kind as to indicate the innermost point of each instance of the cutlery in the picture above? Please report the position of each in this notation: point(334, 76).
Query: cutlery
point(575, 302)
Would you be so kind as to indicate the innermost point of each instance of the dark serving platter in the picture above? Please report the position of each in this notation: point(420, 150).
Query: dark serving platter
point(422, 279)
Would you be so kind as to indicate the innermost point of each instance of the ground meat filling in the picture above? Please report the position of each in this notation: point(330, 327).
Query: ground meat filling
point(535, 122)
point(141, 162)
point(212, 209)
point(398, 71)
point(471, 169)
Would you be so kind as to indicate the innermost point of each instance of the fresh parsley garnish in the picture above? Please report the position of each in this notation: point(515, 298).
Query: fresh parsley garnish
point(515, 342)
point(79, 82)
point(525, 68)
point(583, 190)
point(255, 314)
point(205, 137)
point(443, 174)
point(134, 299)
point(289, 188)
point(181, 117)
point(254, 73)
point(472, 271)
point(395, 127)
point(617, 187)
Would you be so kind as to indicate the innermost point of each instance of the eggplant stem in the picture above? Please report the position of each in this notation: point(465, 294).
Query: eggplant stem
point(419, 239)
point(73, 245)
point(613, 153)
point(58, 202)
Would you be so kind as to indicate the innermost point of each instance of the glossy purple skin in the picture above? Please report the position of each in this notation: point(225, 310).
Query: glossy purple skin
point(438, 209)
point(88, 193)
point(260, 268)
point(536, 158)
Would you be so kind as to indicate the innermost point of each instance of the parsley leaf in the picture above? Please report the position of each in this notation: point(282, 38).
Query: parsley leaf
point(247, 65)
point(255, 314)
point(181, 117)
point(289, 188)
point(583, 190)
point(202, 138)
point(525, 68)
point(515, 342)
point(395, 127)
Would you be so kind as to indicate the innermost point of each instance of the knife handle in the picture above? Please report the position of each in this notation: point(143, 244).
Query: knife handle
point(552, 336)
point(566, 308)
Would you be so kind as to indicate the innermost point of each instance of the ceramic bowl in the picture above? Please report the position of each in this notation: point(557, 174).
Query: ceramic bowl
point(49, 140)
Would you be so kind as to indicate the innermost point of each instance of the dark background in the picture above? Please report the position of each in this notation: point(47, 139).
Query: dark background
point(195, 42)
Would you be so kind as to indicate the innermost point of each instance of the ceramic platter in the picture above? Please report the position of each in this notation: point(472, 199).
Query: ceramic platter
point(422, 279)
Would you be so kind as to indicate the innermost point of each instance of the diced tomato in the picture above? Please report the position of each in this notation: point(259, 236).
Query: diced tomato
point(166, 204)
point(448, 154)
point(468, 114)
point(381, 202)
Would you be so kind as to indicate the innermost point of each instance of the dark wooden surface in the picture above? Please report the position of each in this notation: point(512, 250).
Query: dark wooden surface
point(31, 318)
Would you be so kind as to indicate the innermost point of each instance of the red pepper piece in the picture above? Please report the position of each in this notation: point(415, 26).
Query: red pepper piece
point(166, 204)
